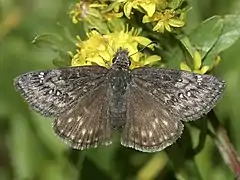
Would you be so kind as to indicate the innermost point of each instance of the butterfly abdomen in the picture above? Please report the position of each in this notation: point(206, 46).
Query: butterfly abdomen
point(118, 91)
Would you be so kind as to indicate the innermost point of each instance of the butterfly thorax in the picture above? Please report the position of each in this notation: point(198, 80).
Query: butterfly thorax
point(121, 60)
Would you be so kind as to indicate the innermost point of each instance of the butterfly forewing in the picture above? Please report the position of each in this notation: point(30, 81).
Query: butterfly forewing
point(50, 92)
point(187, 95)
point(149, 125)
point(87, 124)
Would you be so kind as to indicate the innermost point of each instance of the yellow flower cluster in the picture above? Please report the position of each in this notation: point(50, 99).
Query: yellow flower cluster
point(100, 49)
point(163, 14)
point(198, 67)
point(85, 10)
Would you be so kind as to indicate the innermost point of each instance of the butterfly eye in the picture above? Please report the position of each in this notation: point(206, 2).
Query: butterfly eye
point(114, 59)
point(130, 62)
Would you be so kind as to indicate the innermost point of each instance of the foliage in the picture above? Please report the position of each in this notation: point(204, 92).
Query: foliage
point(195, 40)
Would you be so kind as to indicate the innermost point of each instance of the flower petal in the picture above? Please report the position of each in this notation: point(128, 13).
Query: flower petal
point(127, 9)
point(197, 60)
point(185, 67)
point(144, 41)
point(176, 22)
point(151, 59)
point(150, 8)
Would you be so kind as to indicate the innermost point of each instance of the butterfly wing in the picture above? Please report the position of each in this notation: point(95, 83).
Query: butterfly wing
point(50, 92)
point(187, 95)
point(149, 125)
point(87, 124)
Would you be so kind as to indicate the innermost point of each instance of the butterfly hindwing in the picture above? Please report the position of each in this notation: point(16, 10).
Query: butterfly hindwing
point(87, 124)
point(188, 95)
point(149, 126)
point(50, 92)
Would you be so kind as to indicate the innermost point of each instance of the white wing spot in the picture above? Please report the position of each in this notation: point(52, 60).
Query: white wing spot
point(199, 78)
point(189, 93)
point(80, 123)
point(144, 143)
point(153, 143)
point(41, 74)
point(90, 131)
point(79, 118)
point(72, 137)
point(154, 125)
point(143, 133)
point(154, 91)
point(58, 122)
point(180, 95)
point(150, 133)
point(165, 123)
point(70, 111)
point(58, 93)
point(83, 131)
point(68, 134)
point(86, 110)
point(84, 89)
point(70, 120)
point(176, 125)
point(165, 137)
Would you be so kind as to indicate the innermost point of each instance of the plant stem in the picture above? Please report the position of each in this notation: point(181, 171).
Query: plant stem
point(224, 145)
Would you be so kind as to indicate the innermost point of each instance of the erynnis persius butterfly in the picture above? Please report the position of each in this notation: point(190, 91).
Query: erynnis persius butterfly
point(146, 105)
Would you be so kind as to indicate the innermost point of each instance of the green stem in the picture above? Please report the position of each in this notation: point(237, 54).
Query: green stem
point(224, 145)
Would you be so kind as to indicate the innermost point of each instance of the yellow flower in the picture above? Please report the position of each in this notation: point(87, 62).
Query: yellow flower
point(84, 11)
point(165, 20)
point(197, 64)
point(148, 7)
point(100, 49)
point(162, 13)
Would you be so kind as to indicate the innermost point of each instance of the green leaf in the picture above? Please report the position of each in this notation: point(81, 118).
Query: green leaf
point(174, 4)
point(229, 35)
point(91, 171)
point(102, 157)
point(173, 56)
point(206, 35)
point(47, 40)
point(153, 167)
point(24, 149)
point(62, 60)
point(183, 161)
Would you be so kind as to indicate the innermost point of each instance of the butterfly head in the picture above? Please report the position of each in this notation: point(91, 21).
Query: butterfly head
point(121, 60)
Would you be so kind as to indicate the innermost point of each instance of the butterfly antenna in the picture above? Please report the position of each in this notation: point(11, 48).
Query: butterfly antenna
point(144, 48)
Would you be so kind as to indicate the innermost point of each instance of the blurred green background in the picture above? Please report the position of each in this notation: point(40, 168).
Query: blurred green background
point(28, 148)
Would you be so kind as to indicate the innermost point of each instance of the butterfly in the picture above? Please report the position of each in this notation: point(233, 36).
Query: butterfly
point(147, 105)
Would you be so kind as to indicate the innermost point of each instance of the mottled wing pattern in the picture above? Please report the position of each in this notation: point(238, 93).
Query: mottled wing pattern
point(187, 95)
point(49, 92)
point(87, 124)
point(149, 125)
